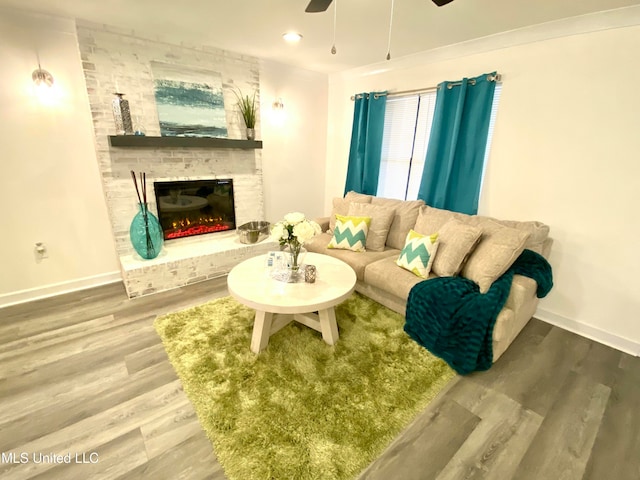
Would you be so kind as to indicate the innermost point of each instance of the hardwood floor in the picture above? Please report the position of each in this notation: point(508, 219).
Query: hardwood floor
point(86, 373)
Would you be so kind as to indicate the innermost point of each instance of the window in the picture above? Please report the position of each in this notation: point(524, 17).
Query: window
point(407, 125)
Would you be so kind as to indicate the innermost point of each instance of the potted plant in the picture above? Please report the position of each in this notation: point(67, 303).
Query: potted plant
point(248, 109)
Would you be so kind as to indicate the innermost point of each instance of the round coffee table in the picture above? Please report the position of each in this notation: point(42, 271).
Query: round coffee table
point(250, 283)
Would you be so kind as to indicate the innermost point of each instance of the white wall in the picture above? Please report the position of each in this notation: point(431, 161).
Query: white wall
point(565, 152)
point(294, 150)
point(49, 183)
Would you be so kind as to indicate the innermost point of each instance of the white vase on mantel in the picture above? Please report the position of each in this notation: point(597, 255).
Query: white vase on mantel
point(251, 133)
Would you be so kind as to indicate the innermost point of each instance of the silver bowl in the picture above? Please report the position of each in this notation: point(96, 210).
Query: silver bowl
point(250, 232)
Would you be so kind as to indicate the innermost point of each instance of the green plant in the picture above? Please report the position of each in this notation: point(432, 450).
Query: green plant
point(248, 108)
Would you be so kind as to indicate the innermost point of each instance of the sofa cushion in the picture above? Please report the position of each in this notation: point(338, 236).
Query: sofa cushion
point(386, 275)
point(432, 219)
point(341, 207)
point(381, 218)
point(404, 219)
point(498, 248)
point(418, 253)
point(350, 233)
point(457, 240)
point(357, 261)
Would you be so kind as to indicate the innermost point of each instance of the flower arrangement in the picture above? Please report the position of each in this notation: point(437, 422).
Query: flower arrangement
point(293, 232)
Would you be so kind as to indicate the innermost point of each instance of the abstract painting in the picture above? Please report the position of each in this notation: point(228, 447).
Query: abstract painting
point(189, 101)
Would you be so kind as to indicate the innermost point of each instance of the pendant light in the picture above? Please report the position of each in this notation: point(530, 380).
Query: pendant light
point(390, 25)
point(335, 19)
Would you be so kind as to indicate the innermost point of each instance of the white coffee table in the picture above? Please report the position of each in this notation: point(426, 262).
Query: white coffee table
point(251, 284)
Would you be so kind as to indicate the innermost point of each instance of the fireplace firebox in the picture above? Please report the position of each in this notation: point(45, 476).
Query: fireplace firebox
point(195, 207)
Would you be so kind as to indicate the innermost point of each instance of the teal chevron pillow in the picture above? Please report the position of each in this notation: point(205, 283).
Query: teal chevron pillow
point(418, 253)
point(350, 233)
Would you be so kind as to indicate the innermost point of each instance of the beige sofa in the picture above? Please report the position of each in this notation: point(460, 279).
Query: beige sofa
point(497, 246)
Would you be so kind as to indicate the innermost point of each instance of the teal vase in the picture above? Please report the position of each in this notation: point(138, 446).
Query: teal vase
point(146, 233)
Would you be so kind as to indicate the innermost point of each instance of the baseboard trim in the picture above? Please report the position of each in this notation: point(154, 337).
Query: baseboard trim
point(38, 293)
point(588, 331)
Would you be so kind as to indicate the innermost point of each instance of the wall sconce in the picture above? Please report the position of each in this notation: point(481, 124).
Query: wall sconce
point(42, 78)
point(277, 105)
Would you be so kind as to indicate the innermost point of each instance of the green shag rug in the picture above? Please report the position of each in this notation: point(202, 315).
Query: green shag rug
point(301, 409)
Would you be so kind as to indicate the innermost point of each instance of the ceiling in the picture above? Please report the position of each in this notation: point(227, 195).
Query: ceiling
point(256, 27)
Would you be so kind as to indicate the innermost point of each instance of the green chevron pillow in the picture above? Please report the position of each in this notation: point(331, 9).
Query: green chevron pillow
point(418, 253)
point(350, 233)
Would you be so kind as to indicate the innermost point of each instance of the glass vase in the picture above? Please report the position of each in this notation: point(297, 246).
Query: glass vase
point(295, 260)
point(146, 233)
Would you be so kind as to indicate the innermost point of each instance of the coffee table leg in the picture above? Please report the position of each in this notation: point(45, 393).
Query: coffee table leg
point(328, 325)
point(261, 331)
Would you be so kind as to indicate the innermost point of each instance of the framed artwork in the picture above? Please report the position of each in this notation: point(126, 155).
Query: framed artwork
point(189, 101)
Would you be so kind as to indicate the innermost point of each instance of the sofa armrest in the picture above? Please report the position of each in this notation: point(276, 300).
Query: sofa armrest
point(323, 222)
point(546, 247)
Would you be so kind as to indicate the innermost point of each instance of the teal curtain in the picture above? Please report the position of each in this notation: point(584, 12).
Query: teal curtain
point(455, 156)
point(366, 143)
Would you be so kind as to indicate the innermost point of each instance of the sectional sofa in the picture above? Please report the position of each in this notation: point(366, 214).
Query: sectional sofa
point(476, 247)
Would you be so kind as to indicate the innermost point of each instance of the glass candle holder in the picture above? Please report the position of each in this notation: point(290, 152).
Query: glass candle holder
point(310, 273)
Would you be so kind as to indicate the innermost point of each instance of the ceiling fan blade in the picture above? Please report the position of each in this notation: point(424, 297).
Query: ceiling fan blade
point(316, 6)
point(441, 3)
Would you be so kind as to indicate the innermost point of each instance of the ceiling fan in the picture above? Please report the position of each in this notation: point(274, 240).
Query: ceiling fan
point(316, 6)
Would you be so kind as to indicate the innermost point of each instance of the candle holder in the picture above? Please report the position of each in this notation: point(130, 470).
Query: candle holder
point(310, 273)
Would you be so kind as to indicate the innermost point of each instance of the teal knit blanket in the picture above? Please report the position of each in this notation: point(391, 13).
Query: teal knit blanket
point(453, 320)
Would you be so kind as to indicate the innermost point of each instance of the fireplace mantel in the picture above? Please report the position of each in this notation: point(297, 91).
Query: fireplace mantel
point(142, 141)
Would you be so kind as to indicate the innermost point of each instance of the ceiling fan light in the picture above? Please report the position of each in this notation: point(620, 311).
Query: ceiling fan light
point(292, 37)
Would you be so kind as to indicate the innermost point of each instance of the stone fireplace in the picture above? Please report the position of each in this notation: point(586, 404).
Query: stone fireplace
point(117, 60)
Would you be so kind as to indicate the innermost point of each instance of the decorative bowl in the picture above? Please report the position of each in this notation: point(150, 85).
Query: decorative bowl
point(250, 231)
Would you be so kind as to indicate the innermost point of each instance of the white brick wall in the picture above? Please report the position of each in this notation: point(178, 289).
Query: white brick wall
point(113, 57)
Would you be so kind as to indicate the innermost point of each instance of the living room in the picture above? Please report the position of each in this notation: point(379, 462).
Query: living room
point(563, 150)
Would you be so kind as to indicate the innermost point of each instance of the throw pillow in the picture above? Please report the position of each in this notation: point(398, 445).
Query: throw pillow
point(358, 197)
point(341, 206)
point(456, 240)
point(539, 231)
point(381, 218)
point(498, 249)
point(406, 213)
point(431, 219)
point(350, 233)
point(418, 253)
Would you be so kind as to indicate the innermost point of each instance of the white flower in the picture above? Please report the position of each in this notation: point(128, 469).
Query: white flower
point(294, 230)
point(294, 218)
point(277, 231)
point(304, 231)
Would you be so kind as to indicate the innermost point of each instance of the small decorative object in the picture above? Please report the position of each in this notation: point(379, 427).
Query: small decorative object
point(248, 109)
point(122, 115)
point(310, 273)
point(292, 233)
point(145, 230)
point(138, 128)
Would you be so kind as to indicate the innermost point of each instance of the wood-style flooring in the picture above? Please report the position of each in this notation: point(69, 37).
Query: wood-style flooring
point(85, 373)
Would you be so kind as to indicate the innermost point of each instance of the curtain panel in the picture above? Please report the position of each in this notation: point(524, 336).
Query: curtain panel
point(366, 143)
point(454, 162)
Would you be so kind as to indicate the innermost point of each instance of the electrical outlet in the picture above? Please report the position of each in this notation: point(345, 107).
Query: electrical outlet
point(40, 251)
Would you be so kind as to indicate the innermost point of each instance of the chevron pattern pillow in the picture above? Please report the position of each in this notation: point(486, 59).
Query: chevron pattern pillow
point(350, 233)
point(418, 253)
